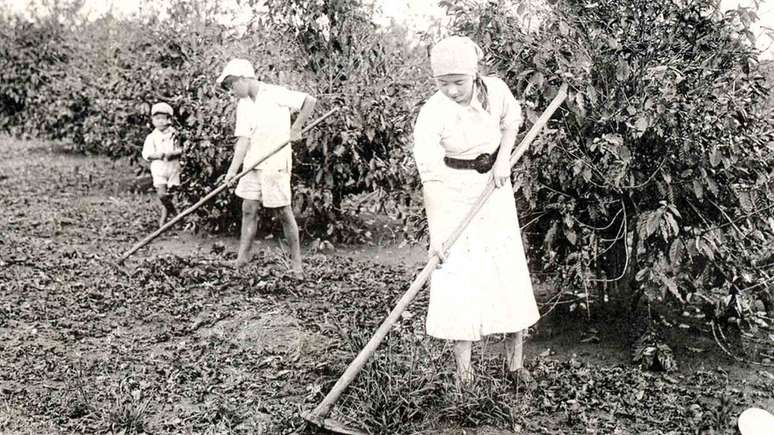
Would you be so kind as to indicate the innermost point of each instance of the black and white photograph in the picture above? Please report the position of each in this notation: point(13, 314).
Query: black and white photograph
point(419, 217)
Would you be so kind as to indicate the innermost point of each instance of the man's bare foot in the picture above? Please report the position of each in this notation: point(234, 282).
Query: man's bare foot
point(239, 263)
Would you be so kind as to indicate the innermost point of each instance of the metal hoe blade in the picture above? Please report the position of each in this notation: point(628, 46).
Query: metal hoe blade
point(330, 424)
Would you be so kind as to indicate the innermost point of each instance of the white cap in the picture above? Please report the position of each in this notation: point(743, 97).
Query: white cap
point(237, 68)
point(756, 421)
point(161, 108)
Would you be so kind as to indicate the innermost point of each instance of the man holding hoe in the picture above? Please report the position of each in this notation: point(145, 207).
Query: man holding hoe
point(262, 124)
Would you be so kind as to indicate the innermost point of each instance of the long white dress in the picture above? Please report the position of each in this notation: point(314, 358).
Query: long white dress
point(484, 285)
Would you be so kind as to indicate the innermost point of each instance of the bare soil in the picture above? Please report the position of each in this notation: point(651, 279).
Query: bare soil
point(178, 341)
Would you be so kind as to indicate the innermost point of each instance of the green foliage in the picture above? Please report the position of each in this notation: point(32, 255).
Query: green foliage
point(375, 79)
point(30, 62)
point(94, 82)
point(655, 177)
point(654, 180)
point(651, 353)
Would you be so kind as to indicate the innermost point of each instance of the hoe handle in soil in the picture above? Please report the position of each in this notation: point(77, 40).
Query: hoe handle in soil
point(318, 416)
point(217, 190)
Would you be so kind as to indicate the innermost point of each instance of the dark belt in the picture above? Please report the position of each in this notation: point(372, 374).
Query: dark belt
point(482, 164)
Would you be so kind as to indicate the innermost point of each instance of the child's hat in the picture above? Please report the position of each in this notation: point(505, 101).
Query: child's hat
point(756, 421)
point(237, 68)
point(161, 108)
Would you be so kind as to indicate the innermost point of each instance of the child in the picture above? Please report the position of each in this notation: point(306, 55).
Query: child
point(262, 123)
point(161, 150)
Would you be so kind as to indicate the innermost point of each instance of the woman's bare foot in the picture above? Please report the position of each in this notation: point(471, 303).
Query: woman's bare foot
point(297, 269)
point(464, 379)
point(522, 378)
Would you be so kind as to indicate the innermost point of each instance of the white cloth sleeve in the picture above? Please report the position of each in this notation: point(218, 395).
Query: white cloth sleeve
point(243, 126)
point(291, 99)
point(510, 116)
point(147, 147)
point(428, 151)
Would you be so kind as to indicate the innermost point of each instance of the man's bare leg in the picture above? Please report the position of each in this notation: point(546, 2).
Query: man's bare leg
point(290, 228)
point(249, 228)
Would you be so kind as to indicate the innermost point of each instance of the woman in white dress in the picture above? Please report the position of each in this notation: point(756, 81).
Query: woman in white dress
point(463, 138)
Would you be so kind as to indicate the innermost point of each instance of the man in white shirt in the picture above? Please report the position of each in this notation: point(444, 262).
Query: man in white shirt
point(262, 124)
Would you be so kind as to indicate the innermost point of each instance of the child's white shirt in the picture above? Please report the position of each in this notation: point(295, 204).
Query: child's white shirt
point(161, 142)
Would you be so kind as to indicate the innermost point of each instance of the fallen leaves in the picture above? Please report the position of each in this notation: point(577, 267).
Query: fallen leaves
point(186, 343)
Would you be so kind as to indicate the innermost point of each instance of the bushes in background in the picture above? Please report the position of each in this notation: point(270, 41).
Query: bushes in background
point(92, 83)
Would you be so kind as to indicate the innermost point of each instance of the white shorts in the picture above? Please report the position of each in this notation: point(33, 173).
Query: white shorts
point(271, 187)
point(165, 173)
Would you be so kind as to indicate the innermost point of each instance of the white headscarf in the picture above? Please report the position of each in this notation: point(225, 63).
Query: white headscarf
point(455, 55)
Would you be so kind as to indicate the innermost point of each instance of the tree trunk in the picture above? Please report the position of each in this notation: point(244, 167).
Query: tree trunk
point(620, 266)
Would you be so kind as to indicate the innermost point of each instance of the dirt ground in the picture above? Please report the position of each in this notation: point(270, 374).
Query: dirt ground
point(177, 341)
